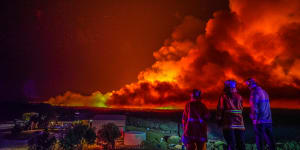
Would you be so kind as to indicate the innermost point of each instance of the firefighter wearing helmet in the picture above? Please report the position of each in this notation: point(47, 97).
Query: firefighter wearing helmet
point(230, 118)
point(194, 123)
point(261, 115)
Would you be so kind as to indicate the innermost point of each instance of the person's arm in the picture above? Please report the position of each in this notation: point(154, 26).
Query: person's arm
point(254, 97)
point(241, 103)
point(185, 116)
point(220, 110)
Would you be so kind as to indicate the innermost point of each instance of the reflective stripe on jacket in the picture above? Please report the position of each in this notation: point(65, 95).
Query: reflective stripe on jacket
point(229, 112)
point(260, 106)
point(193, 121)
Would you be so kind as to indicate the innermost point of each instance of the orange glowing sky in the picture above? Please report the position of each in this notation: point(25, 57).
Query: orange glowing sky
point(149, 54)
point(100, 44)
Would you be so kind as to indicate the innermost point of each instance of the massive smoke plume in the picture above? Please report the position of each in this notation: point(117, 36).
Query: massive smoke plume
point(258, 39)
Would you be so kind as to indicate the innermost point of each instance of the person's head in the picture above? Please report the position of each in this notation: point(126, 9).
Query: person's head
point(230, 86)
point(196, 94)
point(251, 83)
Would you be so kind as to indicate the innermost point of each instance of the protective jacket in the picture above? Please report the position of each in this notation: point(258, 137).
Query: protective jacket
point(194, 122)
point(260, 106)
point(229, 112)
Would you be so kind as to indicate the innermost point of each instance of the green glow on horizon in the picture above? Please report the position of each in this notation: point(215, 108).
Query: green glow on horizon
point(167, 108)
point(101, 99)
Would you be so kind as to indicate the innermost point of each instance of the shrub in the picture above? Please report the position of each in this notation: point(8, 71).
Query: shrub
point(42, 142)
point(174, 140)
point(78, 136)
point(109, 133)
point(153, 136)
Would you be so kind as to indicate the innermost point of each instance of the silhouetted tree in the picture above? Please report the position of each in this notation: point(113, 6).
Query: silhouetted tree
point(77, 136)
point(30, 119)
point(43, 121)
point(42, 141)
point(109, 133)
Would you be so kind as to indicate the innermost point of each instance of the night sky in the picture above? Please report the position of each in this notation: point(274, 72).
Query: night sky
point(49, 47)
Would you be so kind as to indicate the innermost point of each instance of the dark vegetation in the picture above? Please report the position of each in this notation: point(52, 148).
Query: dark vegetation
point(108, 134)
point(285, 122)
point(77, 137)
point(42, 141)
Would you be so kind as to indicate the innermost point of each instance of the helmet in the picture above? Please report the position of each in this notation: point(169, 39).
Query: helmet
point(250, 82)
point(230, 83)
point(196, 93)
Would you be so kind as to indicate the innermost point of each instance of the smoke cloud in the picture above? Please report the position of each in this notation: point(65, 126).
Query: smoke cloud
point(96, 99)
point(255, 38)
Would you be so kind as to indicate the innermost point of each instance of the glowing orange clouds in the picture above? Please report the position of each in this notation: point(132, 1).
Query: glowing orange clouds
point(255, 38)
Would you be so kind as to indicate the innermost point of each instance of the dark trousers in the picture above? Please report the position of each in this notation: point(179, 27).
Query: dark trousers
point(193, 145)
point(235, 139)
point(263, 133)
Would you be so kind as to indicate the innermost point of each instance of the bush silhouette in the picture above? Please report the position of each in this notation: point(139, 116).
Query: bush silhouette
point(108, 134)
point(77, 136)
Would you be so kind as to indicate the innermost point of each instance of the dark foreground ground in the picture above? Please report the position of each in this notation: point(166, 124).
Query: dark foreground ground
point(286, 123)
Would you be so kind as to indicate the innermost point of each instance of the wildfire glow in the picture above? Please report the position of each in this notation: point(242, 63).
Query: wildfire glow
point(255, 38)
point(96, 99)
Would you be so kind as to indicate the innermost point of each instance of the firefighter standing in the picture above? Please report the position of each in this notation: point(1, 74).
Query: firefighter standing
point(194, 122)
point(260, 115)
point(230, 118)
